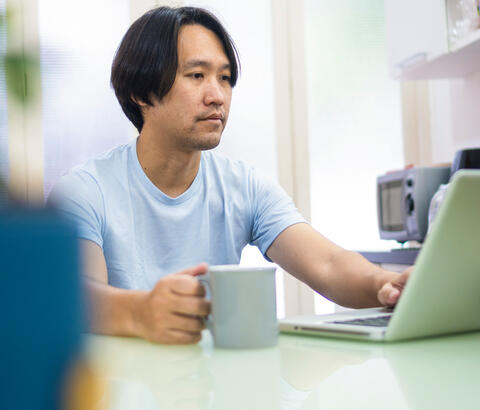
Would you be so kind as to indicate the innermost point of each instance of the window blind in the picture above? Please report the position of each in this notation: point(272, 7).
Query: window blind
point(81, 116)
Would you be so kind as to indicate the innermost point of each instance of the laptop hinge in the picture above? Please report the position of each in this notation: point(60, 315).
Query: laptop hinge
point(316, 330)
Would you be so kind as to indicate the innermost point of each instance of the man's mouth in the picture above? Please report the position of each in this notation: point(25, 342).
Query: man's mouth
point(213, 118)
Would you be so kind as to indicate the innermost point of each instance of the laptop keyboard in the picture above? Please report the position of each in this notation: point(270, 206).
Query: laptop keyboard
point(379, 321)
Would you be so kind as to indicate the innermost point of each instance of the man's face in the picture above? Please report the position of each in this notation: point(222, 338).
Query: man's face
point(194, 113)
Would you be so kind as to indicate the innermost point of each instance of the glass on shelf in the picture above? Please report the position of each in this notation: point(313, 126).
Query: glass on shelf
point(463, 18)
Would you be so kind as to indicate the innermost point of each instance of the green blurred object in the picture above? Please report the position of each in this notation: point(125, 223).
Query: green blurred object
point(20, 71)
point(21, 66)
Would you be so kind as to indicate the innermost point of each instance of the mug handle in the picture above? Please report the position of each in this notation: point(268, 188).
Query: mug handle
point(205, 281)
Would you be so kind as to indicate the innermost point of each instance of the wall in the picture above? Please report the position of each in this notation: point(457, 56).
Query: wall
point(454, 111)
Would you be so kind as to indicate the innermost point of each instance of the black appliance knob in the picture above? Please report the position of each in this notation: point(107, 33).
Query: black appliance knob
point(409, 204)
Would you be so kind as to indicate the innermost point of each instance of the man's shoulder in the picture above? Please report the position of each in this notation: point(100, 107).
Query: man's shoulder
point(238, 177)
point(116, 156)
point(105, 164)
point(236, 169)
point(95, 172)
point(217, 162)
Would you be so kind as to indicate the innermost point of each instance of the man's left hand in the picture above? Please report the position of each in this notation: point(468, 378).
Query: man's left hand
point(390, 292)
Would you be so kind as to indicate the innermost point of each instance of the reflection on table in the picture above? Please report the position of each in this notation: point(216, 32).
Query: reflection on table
point(300, 373)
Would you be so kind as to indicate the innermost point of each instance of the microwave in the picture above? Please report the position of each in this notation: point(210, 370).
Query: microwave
point(403, 199)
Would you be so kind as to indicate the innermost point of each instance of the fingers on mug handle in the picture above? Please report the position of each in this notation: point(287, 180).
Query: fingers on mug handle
point(199, 269)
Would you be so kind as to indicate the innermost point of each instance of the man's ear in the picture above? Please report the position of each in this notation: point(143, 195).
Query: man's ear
point(139, 102)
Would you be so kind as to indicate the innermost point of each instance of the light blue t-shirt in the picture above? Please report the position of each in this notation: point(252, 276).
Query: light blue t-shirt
point(145, 234)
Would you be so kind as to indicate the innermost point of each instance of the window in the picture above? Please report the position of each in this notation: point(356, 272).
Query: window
point(354, 120)
point(81, 116)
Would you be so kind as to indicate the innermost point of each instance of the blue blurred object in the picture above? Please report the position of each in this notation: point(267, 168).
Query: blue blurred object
point(41, 305)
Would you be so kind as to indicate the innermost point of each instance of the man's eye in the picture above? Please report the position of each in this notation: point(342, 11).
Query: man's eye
point(197, 75)
point(226, 78)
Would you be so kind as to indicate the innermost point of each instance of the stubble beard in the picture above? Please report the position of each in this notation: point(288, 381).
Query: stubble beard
point(194, 140)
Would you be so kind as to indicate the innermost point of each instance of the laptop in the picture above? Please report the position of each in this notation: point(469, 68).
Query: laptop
point(442, 295)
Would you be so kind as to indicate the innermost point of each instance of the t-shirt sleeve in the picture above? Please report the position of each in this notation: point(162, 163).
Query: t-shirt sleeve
point(272, 211)
point(78, 196)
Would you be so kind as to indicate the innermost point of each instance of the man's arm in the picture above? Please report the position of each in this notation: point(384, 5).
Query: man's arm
point(169, 313)
point(342, 276)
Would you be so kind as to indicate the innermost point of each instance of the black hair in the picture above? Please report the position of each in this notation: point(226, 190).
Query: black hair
point(146, 60)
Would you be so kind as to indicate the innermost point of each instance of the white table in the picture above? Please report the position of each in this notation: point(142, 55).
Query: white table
point(300, 373)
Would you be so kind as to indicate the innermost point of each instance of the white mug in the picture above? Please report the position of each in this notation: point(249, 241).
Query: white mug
point(243, 306)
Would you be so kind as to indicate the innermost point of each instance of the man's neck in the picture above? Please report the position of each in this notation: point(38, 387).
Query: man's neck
point(170, 170)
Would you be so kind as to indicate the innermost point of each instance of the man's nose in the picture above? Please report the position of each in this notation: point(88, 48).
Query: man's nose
point(214, 93)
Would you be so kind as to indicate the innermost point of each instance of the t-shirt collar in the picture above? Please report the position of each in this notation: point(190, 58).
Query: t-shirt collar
point(152, 189)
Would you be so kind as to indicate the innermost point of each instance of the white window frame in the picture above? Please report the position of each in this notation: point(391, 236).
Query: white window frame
point(292, 128)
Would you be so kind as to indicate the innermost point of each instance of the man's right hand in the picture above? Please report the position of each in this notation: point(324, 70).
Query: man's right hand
point(171, 313)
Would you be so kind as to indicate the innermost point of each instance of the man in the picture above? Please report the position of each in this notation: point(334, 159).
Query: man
point(151, 212)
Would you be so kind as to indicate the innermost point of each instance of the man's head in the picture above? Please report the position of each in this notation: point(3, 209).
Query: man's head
point(176, 66)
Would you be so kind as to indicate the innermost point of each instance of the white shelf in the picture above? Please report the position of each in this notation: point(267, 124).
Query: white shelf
point(471, 38)
point(462, 60)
